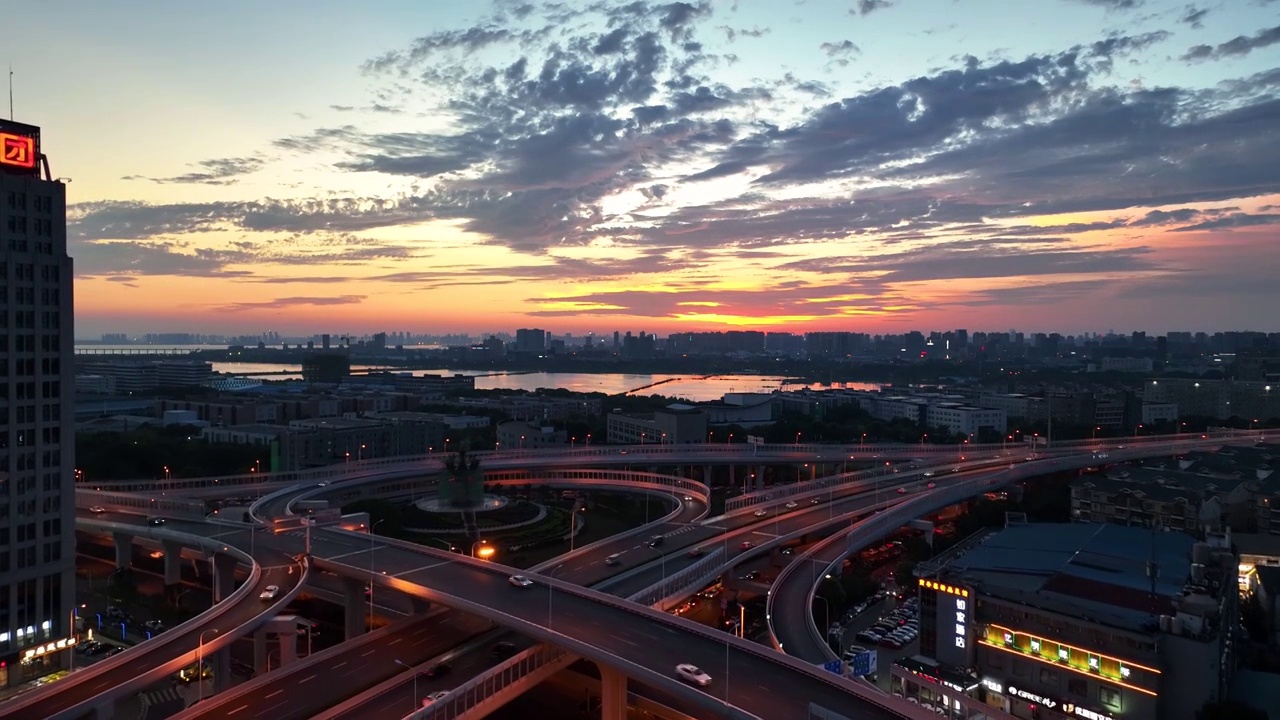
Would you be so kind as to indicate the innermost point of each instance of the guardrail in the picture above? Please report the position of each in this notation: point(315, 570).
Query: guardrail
point(167, 638)
point(711, 451)
point(696, 574)
point(490, 689)
point(168, 507)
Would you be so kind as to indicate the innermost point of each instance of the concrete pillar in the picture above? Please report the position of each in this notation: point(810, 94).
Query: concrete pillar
point(220, 663)
point(355, 607)
point(706, 475)
point(124, 550)
point(288, 642)
point(172, 562)
point(759, 477)
point(224, 576)
point(259, 651)
point(733, 481)
point(420, 606)
point(613, 694)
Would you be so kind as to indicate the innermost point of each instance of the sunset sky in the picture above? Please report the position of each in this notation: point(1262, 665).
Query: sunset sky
point(866, 165)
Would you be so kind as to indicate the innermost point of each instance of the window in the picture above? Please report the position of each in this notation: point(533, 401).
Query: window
point(1019, 669)
point(1109, 696)
point(1048, 678)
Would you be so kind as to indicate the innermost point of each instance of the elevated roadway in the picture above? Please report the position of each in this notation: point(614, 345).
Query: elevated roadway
point(94, 689)
point(480, 588)
point(791, 621)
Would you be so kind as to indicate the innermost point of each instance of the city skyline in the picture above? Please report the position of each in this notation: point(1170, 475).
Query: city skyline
point(868, 166)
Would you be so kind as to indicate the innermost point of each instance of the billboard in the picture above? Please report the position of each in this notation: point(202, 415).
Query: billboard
point(953, 622)
point(19, 148)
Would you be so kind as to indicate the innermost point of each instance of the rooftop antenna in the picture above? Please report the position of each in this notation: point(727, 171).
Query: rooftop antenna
point(11, 92)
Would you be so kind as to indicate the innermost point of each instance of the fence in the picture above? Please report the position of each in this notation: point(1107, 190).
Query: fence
point(695, 575)
point(487, 691)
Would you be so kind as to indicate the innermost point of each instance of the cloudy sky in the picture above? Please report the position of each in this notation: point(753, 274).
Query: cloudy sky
point(871, 165)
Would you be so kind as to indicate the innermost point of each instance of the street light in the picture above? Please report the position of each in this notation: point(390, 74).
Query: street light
point(415, 682)
point(447, 545)
point(200, 663)
point(484, 552)
point(372, 529)
point(573, 525)
point(75, 612)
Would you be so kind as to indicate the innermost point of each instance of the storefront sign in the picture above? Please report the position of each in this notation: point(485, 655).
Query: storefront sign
point(1032, 697)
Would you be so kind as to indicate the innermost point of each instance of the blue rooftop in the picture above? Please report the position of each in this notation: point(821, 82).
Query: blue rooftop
point(1102, 567)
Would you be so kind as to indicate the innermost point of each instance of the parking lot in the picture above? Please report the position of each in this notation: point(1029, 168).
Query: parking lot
point(883, 616)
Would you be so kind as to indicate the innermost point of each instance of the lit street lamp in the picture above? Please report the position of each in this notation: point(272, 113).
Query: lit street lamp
point(481, 549)
point(415, 682)
point(200, 663)
point(573, 525)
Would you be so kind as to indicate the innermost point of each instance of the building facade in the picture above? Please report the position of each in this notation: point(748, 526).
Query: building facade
point(37, 415)
point(674, 425)
point(1075, 621)
point(521, 435)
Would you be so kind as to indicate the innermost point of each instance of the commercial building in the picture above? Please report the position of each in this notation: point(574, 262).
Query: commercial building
point(1100, 622)
point(1255, 400)
point(521, 435)
point(530, 340)
point(676, 424)
point(37, 431)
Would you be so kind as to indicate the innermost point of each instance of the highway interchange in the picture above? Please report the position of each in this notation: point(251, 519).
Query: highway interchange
point(646, 644)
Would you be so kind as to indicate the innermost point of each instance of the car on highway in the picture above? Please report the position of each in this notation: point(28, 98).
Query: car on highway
point(929, 473)
point(753, 575)
point(269, 592)
point(426, 701)
point(761, 513)
point(688, 498)
point(189, 674)
point(155, 521)
point(97, 509)
point(503, 649)
point(932, 485)
point(615, 559)
point(902, 491)
point(520, 581)
point(656, 540)
point(792, 505)
point(696, 552)
point(747, 545)
point(691, 674)
point(816, 501)
point(440, 669)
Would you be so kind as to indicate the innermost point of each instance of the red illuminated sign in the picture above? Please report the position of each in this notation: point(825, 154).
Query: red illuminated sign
point(17, 151)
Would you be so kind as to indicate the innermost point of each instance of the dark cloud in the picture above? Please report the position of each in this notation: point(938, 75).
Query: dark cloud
point(1195, 16)
point(221, 171)
point(1239, 45)
point(865, 7)
point(1232, 221)
point(732, 33)
point(839, 49)
point(291, 302)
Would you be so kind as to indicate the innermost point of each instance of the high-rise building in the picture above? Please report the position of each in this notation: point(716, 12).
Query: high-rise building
point(37, 431)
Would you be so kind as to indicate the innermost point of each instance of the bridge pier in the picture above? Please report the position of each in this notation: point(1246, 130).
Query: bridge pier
point(172, 562)
point(124, 550)
point(220, 663)
point(613, 694)
point(259, 651)
point(759, 478)
point(355, 607)
point(419, 605)
point(224, 576)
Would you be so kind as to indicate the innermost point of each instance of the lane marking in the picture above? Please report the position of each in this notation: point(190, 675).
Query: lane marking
point(312, 676)
point(233, 712)
point(271, 695)
point(344, 662)
point(370, 652)
point(418, 569)
point(393, 642)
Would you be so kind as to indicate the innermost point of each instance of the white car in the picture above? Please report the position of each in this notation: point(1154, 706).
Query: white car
point(434, 697)
point(761, 513)
point(97, 509)
point(688, 498)
point(269, 592)
point(691, 674)
point(792, 505)
point(519, 581)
